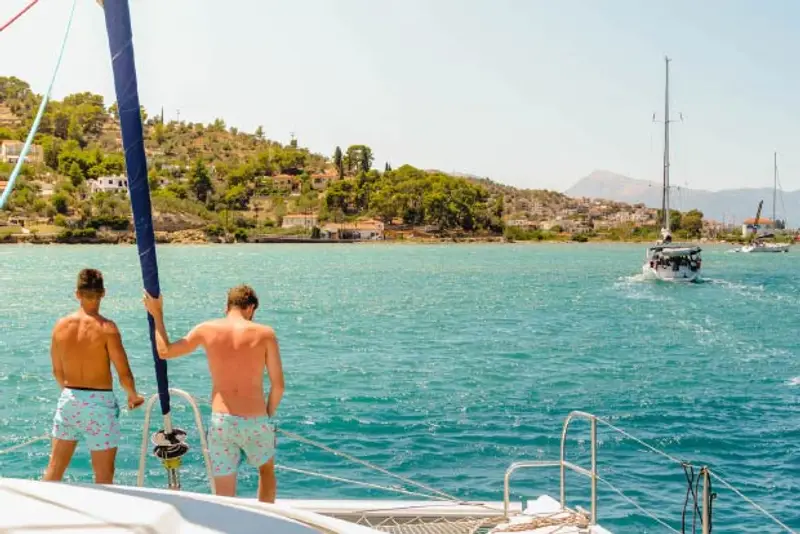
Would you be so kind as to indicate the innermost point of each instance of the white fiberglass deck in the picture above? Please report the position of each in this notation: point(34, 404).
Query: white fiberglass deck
point(31, 506)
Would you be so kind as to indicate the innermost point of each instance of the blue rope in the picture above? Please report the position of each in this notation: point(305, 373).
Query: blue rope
point(18, 167)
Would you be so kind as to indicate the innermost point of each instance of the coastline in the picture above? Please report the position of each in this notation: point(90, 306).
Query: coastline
point(195, 237)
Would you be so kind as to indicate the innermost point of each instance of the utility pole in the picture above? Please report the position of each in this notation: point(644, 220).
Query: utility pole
point(774, 186)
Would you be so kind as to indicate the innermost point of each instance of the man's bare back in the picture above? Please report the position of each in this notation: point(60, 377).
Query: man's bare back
point(80, 348)
point(236, 348)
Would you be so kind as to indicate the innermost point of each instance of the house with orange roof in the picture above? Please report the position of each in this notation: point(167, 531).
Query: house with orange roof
point(749, 225)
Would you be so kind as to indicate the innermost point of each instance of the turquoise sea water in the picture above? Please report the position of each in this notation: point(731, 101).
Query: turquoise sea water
point(447, 363)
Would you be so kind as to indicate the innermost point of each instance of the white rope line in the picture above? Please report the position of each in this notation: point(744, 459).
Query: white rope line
point(749, 500)
point(368, 465)
point(355, 482)
point(638, 506)
point(642, 443)
point(24, 444)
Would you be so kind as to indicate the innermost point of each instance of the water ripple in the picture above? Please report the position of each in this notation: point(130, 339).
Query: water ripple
point(445, 364)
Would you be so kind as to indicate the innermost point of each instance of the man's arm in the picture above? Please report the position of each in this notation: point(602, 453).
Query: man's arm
point(275, 370)
point(118, 356)
point(167, 350)
point(55, 356)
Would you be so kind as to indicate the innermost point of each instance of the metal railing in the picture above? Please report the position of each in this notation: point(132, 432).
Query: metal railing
point(563, 465)
point(198, 419)
point(593, 475)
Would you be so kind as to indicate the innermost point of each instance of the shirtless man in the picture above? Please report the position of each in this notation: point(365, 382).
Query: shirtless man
point(83, 347)
point(238, 351)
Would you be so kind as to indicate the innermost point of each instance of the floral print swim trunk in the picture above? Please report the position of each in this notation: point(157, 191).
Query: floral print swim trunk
point(89, 414)
point(230, 436)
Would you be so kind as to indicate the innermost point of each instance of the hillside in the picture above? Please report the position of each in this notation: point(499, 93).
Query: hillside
point(729, 205)
point(225, 182)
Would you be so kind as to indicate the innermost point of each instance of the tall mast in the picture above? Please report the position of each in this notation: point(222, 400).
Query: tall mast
point(774, 183)
point(665, 193)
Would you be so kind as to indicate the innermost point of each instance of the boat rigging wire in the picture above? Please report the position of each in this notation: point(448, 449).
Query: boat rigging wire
point(18, 15)
point(29, 141)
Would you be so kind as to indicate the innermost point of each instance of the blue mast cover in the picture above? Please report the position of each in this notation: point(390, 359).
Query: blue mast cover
point(120, 40)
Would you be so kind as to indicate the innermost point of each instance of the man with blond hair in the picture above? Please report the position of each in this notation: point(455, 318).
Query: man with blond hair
point(83, 347)
point(238, 352)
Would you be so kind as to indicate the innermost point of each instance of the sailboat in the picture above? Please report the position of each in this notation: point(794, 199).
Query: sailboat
point(758, 244)
point(668, 261)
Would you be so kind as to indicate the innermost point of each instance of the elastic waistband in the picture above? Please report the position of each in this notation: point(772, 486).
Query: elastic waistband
point(225, 415)
point(73, 388)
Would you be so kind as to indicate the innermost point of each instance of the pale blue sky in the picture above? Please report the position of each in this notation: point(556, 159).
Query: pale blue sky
point(532, 93)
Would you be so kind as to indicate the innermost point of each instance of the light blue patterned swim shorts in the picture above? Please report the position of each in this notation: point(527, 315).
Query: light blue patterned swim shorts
point(230, 435)
point(91, 414)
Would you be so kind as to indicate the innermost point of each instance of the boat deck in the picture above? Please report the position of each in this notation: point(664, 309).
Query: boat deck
point(34, 506)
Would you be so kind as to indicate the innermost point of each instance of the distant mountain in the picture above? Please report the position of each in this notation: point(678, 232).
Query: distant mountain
point(730, 204)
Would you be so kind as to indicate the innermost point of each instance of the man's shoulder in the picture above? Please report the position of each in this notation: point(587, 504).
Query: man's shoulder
point(265, 330)
point(109, 327)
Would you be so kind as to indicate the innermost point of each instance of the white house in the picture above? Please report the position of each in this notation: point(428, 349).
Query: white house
point(303, 220)
point(46, 189)
point(363, 230)
point(109, 184)
point(10, 151)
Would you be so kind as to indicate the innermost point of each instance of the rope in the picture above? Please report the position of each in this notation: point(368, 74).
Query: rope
point(357, 483)
point(553, 520)
point(750, 501)
point(369, 465)
point(18, 15)
point(13, 178)
point(642, 443)
point(24, 444)
point(638, 506)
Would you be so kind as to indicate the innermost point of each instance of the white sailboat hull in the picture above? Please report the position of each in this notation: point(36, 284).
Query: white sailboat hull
point(672, 263)
point(667, 274)
point(768, 247)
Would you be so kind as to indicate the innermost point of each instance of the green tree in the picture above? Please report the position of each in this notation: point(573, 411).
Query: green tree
point(75, 131)
point(692, 223)
point(237, 197)
point(217, 126)
point(201, 181)
point(387, 168)
point(61, 125)
point(259, 133)
point(60, 203)
point(52, 148)
point(76, 174)
point(338, 162)
point(159, 133)
point(358, 158)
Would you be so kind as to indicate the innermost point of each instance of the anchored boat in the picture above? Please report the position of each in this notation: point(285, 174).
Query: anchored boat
point(668, 261)
point(759, 243)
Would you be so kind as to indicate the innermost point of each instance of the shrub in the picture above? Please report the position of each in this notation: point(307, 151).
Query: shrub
point(240, 235)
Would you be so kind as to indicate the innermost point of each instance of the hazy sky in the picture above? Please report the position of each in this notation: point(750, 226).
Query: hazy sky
point(533, 93)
